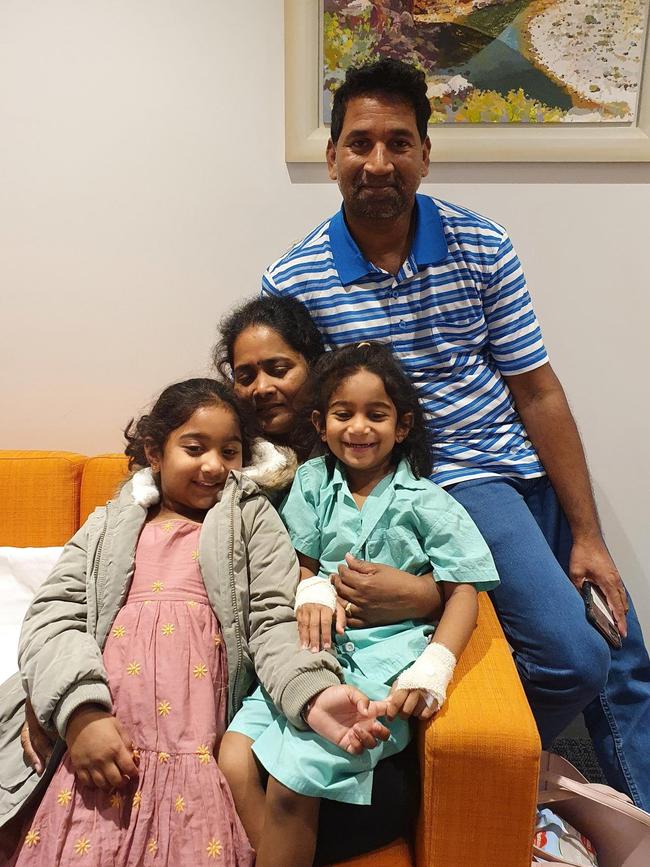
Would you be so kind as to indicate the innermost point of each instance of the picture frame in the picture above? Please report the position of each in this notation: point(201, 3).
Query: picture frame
point(306, 137)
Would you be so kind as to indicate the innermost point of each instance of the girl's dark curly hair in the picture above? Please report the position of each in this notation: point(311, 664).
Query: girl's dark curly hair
point(337, 366)
point(174, 407)
point(288, 317)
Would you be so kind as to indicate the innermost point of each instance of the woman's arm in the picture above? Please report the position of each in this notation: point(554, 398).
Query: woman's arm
point(377, 594)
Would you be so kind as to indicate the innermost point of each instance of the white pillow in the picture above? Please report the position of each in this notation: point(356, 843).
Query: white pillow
point(22, 571)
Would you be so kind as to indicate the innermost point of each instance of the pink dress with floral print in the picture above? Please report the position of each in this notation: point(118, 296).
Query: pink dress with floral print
point(167, 670)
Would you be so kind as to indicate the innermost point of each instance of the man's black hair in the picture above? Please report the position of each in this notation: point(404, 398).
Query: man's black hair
point(390, 78)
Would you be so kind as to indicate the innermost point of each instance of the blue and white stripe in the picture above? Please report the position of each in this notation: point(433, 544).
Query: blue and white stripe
point(458, 316)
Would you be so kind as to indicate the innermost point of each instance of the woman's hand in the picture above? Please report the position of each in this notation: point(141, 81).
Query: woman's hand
point(347, 718)
point(36, 742)
point(409, 702)
point(100, 751)
point(374, 594)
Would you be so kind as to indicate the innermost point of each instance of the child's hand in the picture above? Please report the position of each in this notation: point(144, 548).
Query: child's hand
point(347, 718)
point(100, 751)
point(315, 626)
point(409, 702)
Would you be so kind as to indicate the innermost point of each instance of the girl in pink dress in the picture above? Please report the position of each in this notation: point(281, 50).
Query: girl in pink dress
point(139, 649)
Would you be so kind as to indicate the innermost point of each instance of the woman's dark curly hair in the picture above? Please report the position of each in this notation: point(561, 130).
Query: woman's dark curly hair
point(288, 317)
point(174, 407)
point(337, 366)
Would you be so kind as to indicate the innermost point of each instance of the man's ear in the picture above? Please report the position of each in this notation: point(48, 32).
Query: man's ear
point(316, 420)
point(426, 156)
point(404, 425)
point(152, 453)
point(330, 156)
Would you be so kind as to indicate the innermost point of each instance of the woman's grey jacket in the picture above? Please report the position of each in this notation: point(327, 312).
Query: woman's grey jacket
point(250, 573)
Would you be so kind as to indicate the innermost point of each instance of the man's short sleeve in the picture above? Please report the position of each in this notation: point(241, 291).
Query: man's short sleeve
point(515, 338)
point(300, 515)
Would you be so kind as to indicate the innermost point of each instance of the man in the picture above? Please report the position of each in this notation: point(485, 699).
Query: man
point(445, 288)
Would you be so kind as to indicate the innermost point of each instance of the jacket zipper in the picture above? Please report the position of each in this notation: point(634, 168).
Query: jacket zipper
point(233, 598)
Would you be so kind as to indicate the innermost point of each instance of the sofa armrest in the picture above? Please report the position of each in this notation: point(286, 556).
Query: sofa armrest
point(479, 761)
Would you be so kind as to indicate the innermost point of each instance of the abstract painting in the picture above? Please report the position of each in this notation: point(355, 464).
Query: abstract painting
point(499, 61)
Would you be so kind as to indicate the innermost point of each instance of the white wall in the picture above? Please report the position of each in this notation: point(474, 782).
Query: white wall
point(143, 189)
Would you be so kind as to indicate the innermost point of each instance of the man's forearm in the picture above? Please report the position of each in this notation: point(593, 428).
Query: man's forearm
point(553, 432)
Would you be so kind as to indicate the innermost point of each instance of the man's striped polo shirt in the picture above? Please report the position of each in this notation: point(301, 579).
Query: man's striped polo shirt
point(458, 316)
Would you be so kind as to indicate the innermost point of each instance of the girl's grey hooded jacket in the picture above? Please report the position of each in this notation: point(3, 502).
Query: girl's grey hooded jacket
point(250, 573)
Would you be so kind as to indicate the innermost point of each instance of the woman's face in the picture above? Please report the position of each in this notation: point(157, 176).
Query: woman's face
point(269, 374)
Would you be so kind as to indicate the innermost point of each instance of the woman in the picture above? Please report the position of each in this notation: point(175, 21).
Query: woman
point(267, 348)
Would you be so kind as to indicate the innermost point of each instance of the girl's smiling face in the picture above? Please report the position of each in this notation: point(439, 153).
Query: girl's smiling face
point(361, 427)
point(269, 374)
point(196, 459)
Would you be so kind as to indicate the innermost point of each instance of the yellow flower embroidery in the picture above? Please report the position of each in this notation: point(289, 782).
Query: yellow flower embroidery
point(116, 800)
point(152, 846)
point(179, 804)
point(163, 708)
point(82, 846)
point(200, 670)
point(195, 555)
point(133, 669)
point(147, 602)
point(33, 838)
point(204, 754)
point(135, 753)
point(217, 640)
point(168, 629)
point(64, 797)
point(163, 758)
point(137, 799)
point(119, 632)
point(214, 848)
point(167, 527)
point(191, 603)
point(157, 586)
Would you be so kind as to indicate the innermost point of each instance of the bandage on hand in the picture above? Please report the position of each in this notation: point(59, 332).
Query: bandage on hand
point(431, 672)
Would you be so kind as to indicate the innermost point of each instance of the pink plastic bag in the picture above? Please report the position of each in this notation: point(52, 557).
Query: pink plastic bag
point(619, 831)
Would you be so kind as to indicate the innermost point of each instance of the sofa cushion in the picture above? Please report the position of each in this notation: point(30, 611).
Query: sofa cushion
point(39, 497)
point(102, 477)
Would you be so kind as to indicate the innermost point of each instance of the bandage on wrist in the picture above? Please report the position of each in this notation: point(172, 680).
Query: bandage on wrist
point(431, 671)
point(315, 591)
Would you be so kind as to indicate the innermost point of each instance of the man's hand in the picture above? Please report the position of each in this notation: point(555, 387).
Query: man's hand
point(379, 594)
point(591, 560)
point(36, 742)
point(409, 702)
point(100, 751)
point(347, 718)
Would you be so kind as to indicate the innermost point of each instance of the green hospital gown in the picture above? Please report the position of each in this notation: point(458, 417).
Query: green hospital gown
point(405, 522)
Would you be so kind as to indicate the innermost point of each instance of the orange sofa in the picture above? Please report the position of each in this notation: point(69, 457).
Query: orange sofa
point(479, 757)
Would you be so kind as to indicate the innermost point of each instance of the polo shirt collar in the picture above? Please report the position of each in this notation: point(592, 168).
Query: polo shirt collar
point(429, 244)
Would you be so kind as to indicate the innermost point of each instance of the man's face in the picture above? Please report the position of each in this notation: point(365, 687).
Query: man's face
point(379, 159)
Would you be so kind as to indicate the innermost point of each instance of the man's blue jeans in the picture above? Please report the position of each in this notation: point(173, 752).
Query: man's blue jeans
point(565, 665)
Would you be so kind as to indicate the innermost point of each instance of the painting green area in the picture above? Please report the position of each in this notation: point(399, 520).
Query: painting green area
point(525, 61)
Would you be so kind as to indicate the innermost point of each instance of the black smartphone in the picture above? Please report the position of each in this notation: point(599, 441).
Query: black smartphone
point(599, 615)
